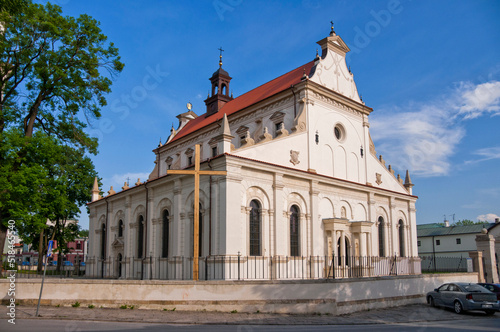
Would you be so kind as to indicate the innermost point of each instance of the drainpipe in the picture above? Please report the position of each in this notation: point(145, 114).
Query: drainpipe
point(210, 214)
point(145, 231)
point(105, 244)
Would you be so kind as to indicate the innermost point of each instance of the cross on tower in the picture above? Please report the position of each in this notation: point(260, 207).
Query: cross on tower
point(332, 27)
point(196, 172)
point(220, 56)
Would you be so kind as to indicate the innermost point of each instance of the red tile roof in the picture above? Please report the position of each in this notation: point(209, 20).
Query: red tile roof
point(260, 93)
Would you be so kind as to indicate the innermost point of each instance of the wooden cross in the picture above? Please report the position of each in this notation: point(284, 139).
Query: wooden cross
point(196, 225)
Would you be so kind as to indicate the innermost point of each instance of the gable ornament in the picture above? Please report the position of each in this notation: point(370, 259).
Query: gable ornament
point(379, 178)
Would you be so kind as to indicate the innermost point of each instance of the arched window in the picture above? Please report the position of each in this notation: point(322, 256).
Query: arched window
point(294, 231)
point(165, 234)
point(224, 90)
point(255, 228)
point(120, 228)
point(103, 241)
point(381, 237)
point(402, 252)
point(140, 237)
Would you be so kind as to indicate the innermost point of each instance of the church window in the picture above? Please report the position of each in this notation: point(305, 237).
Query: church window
point(214, 151)
point(190, 161)
point(401, 238)
point(120, 228)
point(381, 237)
point(255, 228)
point(339, 132)
point(294, 231)
point(200, 232)
point(224, 89)
point(165, 234)
point(140, 237)
point(103, 241)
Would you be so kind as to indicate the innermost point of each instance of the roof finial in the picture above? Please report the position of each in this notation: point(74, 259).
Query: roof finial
point(333, 31)
point(220, 57)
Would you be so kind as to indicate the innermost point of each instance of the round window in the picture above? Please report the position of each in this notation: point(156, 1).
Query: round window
point(339, 132)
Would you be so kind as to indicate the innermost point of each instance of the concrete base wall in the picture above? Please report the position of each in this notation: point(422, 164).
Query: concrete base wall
point(309, 296)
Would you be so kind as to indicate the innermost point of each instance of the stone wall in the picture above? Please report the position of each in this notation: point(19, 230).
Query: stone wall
point(309, 296)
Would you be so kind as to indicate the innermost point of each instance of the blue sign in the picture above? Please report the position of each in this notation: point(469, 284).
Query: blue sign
point(49, 249)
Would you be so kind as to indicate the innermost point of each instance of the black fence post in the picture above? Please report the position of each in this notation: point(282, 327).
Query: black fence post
point(239, 265)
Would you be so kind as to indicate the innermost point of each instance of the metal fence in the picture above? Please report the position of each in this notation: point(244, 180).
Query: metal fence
point(236, 267)
point(432, 264)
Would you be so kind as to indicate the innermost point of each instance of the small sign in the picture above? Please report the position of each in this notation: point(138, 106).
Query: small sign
point(49, 249)
point(470, 267)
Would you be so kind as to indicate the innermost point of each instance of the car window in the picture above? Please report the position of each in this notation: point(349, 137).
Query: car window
point(474, 288)
point(453, 288)
point(443, 288)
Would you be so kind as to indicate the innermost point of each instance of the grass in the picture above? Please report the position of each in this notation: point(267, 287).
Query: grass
point(234, 311)
point(91, 306)
point(76, 304)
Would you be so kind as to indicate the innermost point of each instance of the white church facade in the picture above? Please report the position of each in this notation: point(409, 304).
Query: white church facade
point(304, 190)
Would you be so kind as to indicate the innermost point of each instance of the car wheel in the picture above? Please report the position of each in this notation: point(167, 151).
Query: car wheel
point(490, 312)
point(430, 300)
point(458, 307)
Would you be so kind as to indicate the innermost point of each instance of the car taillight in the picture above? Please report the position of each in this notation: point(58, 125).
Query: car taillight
point(498, 296)
point(468, 296)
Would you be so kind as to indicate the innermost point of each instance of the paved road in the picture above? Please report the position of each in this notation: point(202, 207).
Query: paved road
point(417, 317)
point(30, 325)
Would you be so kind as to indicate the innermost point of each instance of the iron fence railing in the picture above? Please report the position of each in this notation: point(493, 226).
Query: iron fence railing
point(231, 267)
point(432, 264)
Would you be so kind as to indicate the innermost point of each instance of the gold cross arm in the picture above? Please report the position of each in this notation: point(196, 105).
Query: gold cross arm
point(196, 172)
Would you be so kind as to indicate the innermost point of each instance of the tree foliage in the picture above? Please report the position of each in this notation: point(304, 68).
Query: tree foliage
point(55, 72)
point(467, 222)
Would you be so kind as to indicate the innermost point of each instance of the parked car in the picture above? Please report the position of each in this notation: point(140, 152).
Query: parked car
point(494, 288)
point(463, 296)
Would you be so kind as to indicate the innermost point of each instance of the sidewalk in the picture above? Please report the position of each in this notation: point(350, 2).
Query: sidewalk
point(406, 314)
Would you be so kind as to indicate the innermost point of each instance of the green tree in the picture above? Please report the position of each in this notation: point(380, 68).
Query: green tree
point(84, 233)
point(54, 74)
point(467, 222)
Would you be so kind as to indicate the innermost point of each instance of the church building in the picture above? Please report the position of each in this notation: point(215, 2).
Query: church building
point(304, 190)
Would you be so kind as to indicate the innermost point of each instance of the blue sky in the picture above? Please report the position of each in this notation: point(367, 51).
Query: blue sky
point(429, 69)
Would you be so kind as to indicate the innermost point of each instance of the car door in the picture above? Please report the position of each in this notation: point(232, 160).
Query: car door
point(449, 295)
point(438, 300)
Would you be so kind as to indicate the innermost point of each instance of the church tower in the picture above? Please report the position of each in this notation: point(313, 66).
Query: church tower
point(220, 89)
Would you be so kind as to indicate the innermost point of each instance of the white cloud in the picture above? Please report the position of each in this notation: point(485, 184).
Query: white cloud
point(487, 217)
point(480, 99)
point(118, 180)
point(424, 136)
